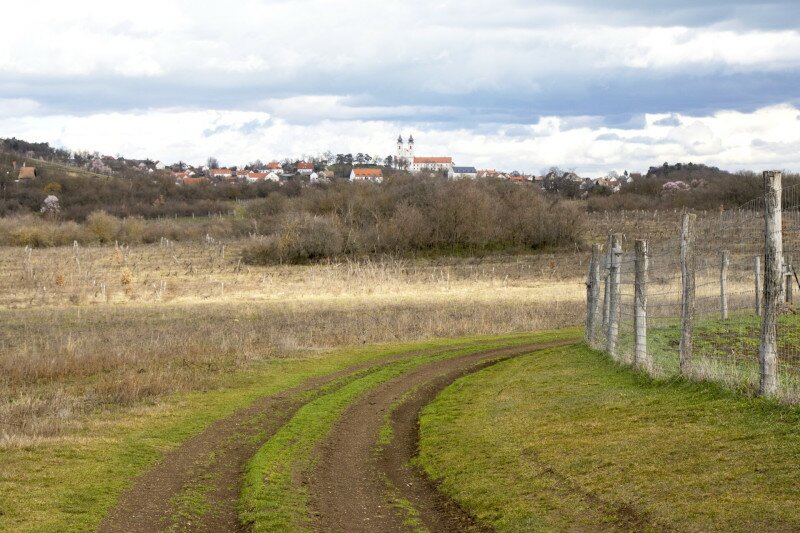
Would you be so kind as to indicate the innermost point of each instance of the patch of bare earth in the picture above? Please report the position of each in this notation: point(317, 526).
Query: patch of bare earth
point(353, 488)
point(212, 463)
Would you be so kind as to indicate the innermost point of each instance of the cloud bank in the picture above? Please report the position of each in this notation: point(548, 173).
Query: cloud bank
point(510, 83)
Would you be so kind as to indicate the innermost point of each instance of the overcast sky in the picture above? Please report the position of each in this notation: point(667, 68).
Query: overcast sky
point(505, 84)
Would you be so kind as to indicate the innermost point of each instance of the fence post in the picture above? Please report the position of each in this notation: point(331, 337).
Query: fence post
point(773, 280)
point(789, 282)
point(723, 284)
point(607, 284)
point(758, 286)
point(614, 294)
point(641, 358)
point(687, 294)
point(592, 294)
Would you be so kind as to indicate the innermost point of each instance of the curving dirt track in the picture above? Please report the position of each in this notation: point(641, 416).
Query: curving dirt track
point(213, 461)
point(354, 488)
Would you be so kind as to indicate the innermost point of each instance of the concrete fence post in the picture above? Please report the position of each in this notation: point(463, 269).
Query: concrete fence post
point(641, 358)
point(723, 284)
point(773, 281)
point(758, 285)
point(687, 292)
point(614, 296)
point(593, 294)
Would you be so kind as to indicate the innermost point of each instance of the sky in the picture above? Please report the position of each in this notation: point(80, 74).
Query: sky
point(508, 84)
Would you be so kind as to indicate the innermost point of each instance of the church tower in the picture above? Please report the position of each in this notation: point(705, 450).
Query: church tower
point(411, 149)
point(400, 148)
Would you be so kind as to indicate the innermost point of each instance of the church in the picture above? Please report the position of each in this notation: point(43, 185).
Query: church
point(407, 159)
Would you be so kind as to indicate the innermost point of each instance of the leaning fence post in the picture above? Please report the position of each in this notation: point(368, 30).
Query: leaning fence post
point(592, 294)
point(758, 286)
point(687, 293)
point(723, 284)
point(641, 358)
point(614, 295)
point(607, 284)
point(773, 280)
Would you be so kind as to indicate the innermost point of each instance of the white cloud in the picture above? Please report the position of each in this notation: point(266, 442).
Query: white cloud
point(445, 46)
point(15, 107)
point(768, 137)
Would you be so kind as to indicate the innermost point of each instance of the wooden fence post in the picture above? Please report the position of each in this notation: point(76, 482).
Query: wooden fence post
point(592, 294)
point(641, 358)
point(773, 281)
point(614, 295)
point(789, 289)
point(758, 286)
point(723, 284)
point(607, 287)
point(687, 293)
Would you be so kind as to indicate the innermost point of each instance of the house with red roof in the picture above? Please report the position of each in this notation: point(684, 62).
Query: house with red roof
point(374, 175)
point(305, 168)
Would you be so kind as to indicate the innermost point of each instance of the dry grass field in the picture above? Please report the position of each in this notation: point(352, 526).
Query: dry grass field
point(86, 328)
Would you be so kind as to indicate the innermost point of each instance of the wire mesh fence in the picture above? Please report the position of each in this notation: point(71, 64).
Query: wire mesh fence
point(727, 259)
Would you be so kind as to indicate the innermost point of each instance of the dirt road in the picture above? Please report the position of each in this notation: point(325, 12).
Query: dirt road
point(356, 488)
point(353, 488)
point(213, 461)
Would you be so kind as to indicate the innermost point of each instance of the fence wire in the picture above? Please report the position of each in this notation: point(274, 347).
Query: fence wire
point(727, 321)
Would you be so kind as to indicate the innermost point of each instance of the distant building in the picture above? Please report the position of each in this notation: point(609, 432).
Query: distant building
point(220, 172)
point(253, 177)
point(305, 168)
point(159, 165)
point(405, 152)
point(27, 173)
point(275, 167)
point(367, 174)
point(274, 176)
point(464, 172)
point(434, 164)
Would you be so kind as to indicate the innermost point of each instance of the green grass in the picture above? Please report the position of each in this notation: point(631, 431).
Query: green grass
point(726, 350)
point(69, 484)
point(272, 499)
point(566, 439)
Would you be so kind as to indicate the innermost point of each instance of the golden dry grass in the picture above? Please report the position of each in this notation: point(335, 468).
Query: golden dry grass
point(88, 327)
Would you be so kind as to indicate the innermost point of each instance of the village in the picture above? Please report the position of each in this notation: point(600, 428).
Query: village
point(328, 167)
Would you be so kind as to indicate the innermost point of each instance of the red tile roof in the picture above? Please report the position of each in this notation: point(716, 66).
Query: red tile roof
point(424, 160)
point(368, 172)
point(305, 166)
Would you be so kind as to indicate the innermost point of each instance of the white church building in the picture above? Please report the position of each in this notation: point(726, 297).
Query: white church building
point(406, 158)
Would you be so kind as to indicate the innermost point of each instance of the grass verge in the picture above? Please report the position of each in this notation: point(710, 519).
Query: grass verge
point(577, 442)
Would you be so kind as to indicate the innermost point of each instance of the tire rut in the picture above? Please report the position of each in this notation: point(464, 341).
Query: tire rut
point(213, 461)
point(355, 489)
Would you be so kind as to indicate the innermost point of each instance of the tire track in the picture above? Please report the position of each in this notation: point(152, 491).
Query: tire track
point(214, 460)
point(348, 487)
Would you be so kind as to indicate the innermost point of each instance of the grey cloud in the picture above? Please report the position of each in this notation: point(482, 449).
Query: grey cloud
point(668, 121)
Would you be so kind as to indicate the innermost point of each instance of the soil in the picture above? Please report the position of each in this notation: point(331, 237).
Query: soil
point(213, 462)
point(355, 487)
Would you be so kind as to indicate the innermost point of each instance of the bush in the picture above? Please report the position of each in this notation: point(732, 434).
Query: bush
point(103, 226)
point(300, 239)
